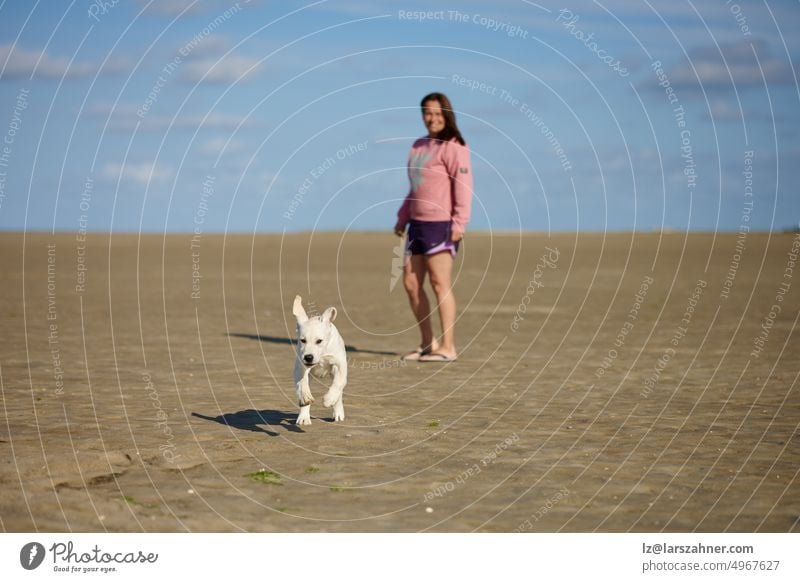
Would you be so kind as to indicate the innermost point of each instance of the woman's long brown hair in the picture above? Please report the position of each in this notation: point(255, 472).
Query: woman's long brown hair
point(450, 130)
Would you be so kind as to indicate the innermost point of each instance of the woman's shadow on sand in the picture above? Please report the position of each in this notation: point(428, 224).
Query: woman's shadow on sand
point(254, 420)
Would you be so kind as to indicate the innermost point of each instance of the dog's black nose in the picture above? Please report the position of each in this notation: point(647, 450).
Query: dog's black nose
point(308, 358)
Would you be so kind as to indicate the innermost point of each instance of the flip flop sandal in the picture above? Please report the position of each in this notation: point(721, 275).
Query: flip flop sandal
point(416, 355)
point(436, 357)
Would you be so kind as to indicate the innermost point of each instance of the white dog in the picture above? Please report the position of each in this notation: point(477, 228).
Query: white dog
point(320, 352)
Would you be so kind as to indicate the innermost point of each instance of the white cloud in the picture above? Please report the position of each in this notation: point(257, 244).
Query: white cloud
point(723, 111)
point(142, 172)
point(206, 61)
point(226, 70)
point(718, 66)
point(124, 117)
point(212, 121)
point(21, 62)
point(728, 110)
point(173, 7)
point(212, 45)
point(104, 109)
point(216, 145)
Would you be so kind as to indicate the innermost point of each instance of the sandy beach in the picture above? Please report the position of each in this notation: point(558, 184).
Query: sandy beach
point(606, 382)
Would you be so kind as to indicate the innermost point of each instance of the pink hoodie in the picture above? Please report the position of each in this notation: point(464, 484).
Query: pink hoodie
point(441, 184)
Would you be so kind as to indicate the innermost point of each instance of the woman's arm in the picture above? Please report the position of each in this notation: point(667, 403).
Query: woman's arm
point(456, 159)
point(403, 216)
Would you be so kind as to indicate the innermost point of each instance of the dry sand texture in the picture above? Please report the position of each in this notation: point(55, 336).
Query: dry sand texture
point(614, 382)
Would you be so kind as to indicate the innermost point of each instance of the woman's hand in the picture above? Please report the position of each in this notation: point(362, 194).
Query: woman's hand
point(399, 230)
point(456, 236)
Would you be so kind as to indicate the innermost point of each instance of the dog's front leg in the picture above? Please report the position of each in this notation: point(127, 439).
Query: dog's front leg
point(304, 397)
point(304, 417)
point(334, 395)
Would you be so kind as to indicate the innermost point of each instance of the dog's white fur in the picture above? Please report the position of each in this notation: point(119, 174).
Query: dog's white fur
point(321, 353)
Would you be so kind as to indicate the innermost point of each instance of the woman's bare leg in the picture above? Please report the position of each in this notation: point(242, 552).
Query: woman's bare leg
point(413, 280)
point(440, 268)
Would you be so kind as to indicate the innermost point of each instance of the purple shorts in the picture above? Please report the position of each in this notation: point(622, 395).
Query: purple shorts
point(429, 238)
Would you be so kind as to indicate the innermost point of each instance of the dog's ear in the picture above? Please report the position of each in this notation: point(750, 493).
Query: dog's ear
point(298, 310)
point(329, 315)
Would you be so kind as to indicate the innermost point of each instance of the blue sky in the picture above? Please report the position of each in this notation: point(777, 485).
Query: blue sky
point(270, 116)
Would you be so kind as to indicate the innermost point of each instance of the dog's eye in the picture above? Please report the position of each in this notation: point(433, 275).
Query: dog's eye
point(302, 341)
point(319, 341)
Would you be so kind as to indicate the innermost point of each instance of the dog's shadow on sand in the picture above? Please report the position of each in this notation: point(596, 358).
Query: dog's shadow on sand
point(255, 420)
point(288, 341)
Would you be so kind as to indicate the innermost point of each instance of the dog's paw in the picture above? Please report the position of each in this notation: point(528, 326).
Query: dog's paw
point(330, 399)
point(303, 419)
point(338, 413)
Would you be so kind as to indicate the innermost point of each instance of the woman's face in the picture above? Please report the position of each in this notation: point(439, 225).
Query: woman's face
point(432, 117)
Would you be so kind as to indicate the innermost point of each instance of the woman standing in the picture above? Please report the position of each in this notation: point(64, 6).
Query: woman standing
point(436, 211)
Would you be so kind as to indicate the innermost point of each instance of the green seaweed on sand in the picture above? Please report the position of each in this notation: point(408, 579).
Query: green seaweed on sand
point(266, 477)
